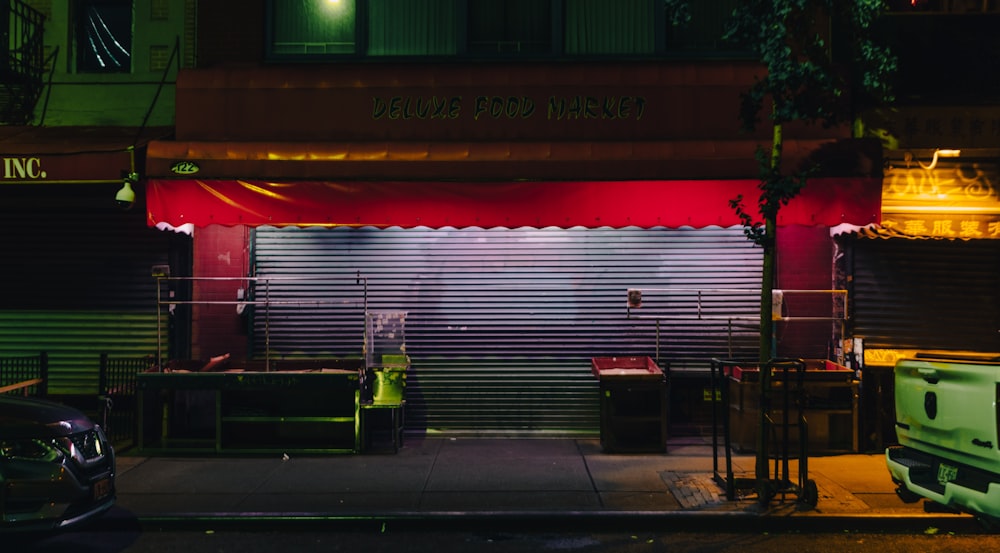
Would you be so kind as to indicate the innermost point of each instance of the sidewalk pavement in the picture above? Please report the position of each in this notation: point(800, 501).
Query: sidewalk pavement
point(448, 478)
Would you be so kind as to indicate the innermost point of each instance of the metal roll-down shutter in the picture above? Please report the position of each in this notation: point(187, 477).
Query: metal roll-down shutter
point(502, 323)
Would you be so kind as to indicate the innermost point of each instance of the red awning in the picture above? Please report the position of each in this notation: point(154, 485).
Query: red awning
point(674, 203)
point(501, 160)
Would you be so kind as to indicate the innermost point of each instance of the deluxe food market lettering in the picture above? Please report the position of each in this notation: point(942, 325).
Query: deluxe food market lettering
point(591, 107)
point(557, 108)
point(416, 107)
point(507, 107)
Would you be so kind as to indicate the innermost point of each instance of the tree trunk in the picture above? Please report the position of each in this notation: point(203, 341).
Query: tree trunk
point(770, 214)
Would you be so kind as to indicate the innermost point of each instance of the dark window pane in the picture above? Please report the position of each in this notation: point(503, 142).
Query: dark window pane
point(409, 28)
point(103, 36)
point(510, 27)
point(602, 27)
point(703, 33)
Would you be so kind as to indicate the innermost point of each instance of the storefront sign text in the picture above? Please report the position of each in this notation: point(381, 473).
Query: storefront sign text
point(957, 201)
point(399, 107)
point(23, 168)
point(932, 127)
point(943, 227)
point(970, 183)
point(886, 357)
point(508, 107)
point(978, 128)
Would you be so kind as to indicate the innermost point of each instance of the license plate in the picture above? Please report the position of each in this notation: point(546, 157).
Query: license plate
point(946, 473)
point(102, 488)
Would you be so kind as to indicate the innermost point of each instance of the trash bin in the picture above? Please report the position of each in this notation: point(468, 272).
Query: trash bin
point(633, 404)
point(389, 380)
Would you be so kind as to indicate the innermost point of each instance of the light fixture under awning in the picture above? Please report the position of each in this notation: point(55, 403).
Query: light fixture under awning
point(675, 203)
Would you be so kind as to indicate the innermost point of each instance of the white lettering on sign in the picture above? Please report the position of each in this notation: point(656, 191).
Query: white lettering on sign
point(23, 168)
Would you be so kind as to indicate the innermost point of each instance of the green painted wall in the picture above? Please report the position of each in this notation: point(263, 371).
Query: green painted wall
point(74, 341)
point(78, 98)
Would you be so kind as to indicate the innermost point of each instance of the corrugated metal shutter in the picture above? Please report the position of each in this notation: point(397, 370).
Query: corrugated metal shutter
point(502, 324)
point(927, 294)
point(77, 280)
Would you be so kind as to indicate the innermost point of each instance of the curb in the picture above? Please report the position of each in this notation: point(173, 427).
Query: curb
point(591, 521)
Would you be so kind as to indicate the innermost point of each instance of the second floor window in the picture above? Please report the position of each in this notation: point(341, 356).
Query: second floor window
point(510, 27)
point(103, 30)
point(323, 30)
point(602, 27)
point(409, 28)
point(704, 32)
point(314, 27)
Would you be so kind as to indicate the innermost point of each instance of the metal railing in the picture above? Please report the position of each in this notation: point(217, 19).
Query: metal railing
point(21, 75)
point(255, 293)
point(735, 305)
point(117, 395)
point(26, 375)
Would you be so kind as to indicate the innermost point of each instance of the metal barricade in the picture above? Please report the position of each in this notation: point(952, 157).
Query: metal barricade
point(117, 394)
point(26, 375)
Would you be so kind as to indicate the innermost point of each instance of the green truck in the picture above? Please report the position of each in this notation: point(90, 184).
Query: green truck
point(947, 411)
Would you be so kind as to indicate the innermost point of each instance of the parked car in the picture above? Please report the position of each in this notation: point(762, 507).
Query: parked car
point(947, 408)
point(57, 468)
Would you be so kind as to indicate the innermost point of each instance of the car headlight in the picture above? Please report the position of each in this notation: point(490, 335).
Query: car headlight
point(31, 449)
point(85, 446)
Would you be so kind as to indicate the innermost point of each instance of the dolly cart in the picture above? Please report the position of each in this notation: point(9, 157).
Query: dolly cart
point(781, 391)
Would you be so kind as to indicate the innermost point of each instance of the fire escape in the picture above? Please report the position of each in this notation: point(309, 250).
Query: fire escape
point(23, 64)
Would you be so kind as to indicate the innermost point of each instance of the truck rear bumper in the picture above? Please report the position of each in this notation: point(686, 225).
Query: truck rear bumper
point(953, 484)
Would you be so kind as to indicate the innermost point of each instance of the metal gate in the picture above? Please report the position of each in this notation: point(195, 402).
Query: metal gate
point(926, 293)
point(78, 280)
point(502, 323)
